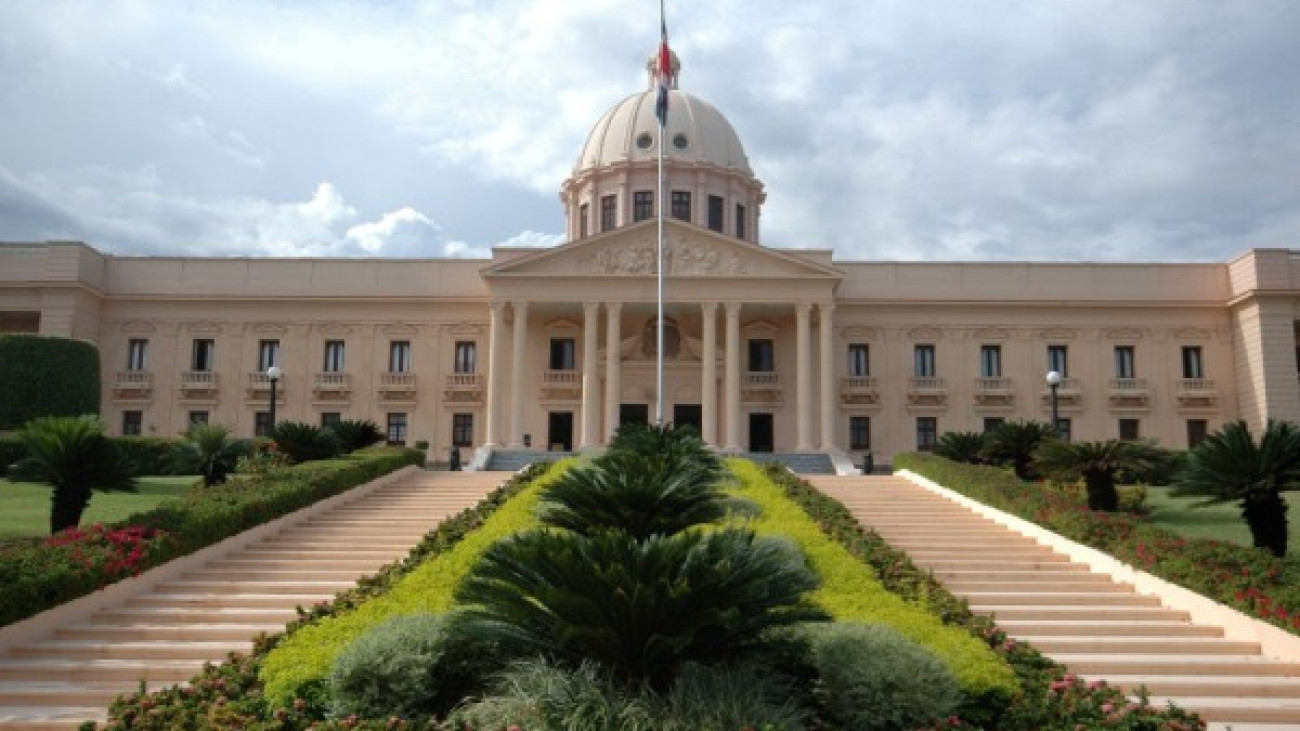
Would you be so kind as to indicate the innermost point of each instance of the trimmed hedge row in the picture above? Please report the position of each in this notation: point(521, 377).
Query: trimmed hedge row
point(46, 376)
point(36, 575)
point(1246, 578)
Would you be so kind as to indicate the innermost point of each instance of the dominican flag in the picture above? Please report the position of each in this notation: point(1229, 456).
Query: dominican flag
point(663, 72)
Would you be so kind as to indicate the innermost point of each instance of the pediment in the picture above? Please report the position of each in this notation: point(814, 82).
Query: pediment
point(689, 252)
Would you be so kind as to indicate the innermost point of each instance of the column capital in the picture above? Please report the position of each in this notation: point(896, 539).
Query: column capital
point(498, 307)
point(733, 309)
point(826, 307)
point(590, 309)
point(803, 308)
point(613, 308)
point(709, 306)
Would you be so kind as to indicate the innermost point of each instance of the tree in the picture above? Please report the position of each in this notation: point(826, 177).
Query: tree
point(1098, 463)
point(1014, 442)
point(209, 451)
point(961, 446)
point(1230, 466)
point(72, 455)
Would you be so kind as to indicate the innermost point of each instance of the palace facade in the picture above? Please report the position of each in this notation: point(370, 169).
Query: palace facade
point(766, 349)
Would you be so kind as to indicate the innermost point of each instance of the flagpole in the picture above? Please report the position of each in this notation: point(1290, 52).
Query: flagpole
point(659, 249)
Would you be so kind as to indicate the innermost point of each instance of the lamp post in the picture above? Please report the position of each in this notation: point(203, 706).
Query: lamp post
point(273, 374)
point(1053, 383)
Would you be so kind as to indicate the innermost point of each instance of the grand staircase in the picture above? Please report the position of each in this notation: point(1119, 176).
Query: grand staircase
point(166, 635)
point(1096, 627)
point(513, 460)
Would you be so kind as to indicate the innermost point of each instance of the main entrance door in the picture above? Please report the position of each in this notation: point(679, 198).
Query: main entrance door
point(761, 433)
point(687, 414)
point(559, 432)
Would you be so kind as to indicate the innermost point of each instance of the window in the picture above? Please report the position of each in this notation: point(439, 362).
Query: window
point(1057, 360)
point(564, 354)
point(204, 355)
point(397, 428)
point(682, 205)
point(608, 212)
point(131, 423)
point(991, 361)
point(584, 213)
point(1064, 429)
point(927, 432)
point(465, 352)
point(462, 430)
point(992, 422)
point(135, 354)
point(330, 418)
point(1197, 430)
point(198, 417)
point(268, 354)
point(643, 205)
point(762, 356)
point(860, 432)
point(740, 221)
point(1124, 362)
point(399, 356)
point(262, 423)
point(923, 361)
point(333, 356)
point(1129, 429)
point(715, 213)
point(1193, 367)
point(859, 360)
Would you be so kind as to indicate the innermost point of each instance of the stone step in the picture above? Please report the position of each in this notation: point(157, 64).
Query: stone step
point(29, 693)
point(164, 615)
point(241, 601)
point(1052, 562)
point(132, 632)
point(154, 671)
point(1043, 584)
point(284, 574)
point(360, 565)
point(132, 650)
point(1037, 575)
point(1085, 613)
point(1251, 665)
point(262, 552)
point(1021, 598)
point(1119, 628)
point(48, 718)
point(1237, 710)
point(1051, 644)
point(1209, 686)
point(329, 587)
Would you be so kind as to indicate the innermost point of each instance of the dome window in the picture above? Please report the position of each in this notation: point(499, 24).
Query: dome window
point(680, 141)
point(644, 141)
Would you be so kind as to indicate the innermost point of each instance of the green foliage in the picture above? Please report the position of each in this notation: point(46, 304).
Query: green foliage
point(208, 451)
point(961, 446)
point(305, 442)
point(71, 455)
point(1229, 466)
point(870, 677)
point(1013, 443)
point(45, 376)
point(1097, 463)
point(149, 455)
point(354, 434)
point(11, 450)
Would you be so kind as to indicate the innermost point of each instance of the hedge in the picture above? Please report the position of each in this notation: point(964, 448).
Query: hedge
point(148, 455)
point(45, 376)
point(37, 574)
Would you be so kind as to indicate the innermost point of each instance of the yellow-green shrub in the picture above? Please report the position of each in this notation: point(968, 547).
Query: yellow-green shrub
point(851, 592)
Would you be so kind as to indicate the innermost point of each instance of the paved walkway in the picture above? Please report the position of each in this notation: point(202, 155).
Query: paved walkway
point(1095, 626)
point(165, 636)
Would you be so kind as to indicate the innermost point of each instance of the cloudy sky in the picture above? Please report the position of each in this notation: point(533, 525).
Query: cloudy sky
point(885, 129)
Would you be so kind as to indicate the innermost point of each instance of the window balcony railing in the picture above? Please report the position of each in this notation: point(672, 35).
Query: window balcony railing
point(1129, 392)
point(133, 383)
point(331, 382)
point(1195, 392)
point(993, 385)
point(564, 379)
point(464, 382)
point(761, 381)
point(199, 381)
point(397, 382)
point(927, 384)
point(259, 386)
point(859, 390)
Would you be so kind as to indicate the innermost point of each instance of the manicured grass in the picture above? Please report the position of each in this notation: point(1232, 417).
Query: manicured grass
point(1221, 522)
point(25, 506)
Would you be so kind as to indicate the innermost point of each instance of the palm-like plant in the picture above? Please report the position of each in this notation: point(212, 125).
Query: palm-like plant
point(209, 451)
point(72, 455)
point(1230, 466)
point(961, 446)
point(305, 442)
point(354, 434)
point(1014, 442)
point(1097, 463)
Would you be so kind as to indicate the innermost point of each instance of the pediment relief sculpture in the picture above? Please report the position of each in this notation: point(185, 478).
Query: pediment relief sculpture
point(637, 257)
point(642, 346)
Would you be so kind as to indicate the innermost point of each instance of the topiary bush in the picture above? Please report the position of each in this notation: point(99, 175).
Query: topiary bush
point(872, 678)
point(305, 442)
point(45, 376)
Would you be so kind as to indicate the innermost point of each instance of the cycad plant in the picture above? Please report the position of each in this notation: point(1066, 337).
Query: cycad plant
point(209, 451)
point(354, 434)
point(305, 442)
point(1014, 442)
point(1097, 463)
point(71, 455)
point(1230, 466)
point(961, 446)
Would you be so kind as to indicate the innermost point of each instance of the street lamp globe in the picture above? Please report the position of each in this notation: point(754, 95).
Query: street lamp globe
point(1053, 379)
point(273, 373)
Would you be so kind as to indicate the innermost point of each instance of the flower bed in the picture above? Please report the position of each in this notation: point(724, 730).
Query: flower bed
point(1245, 578)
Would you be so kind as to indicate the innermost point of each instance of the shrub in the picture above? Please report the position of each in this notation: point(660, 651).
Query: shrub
point(354, 434)
point(208, 451)
point(149, 455)
point(961, 447)
point(46, 376)
point(11, 450)
point(72, 456)
point(871, 677)
point(305, 442)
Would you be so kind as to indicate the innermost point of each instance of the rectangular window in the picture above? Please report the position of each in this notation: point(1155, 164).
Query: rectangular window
point(992, 422)
point(131, 423)
point(1064, 429)
point(762, 356)
point(643, 205)
point(262, 424)
point(1125, 365)
point(991, 361)
point(1193, 366)
point(859, 360)
point(198, 417)
point(397, 428)
point(204, 355)
point(740, 221)
point(564, 354)
point(860, 432)
point(333, 356)
point(584, 214)
point(682, 205)
point(1197, 430)
point(330, 418)
point(399, 356)
point(462, 430)
point(136, 350)
point(1129, 429)
point(466, 351)
point(927, 433)
point(715, 213)
point(608, 212)
point(268, 354)
point(1057, 360)
point(923, 361)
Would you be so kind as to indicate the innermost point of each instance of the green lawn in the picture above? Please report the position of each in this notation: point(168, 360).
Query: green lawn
point(1223, 521)
point(25, 507)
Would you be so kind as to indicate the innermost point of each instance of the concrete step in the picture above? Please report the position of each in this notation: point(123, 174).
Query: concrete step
point(360, 566)
point(1050, 575)
point(263, 552)
point(1120, 628)
point(1251, 665)
point(1043, 584)
point(1149, 645)
point(61, 693)
point(1025, 598)
point(48, 718)
point(165, 615)
point(329, 587)
point(198, 652)
point(154, 671)
point(134, 632)
point(1085, 613)
point(233, 601)
point(285, 574)
point(1209, 686)
point(1237, 710)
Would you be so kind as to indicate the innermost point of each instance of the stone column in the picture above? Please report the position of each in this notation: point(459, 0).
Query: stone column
point(613, 367)
point(733, 377)
point(519, 331)
point(709, 373)
point(825, 327)
point(590, 382)
point(802, 384)
point(496, 361)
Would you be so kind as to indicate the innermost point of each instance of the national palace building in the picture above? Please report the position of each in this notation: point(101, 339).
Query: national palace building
point(766, 349)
